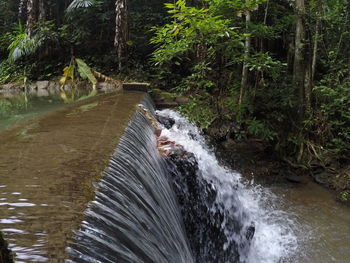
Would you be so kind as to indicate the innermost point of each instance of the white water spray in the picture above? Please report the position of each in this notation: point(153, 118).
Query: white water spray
point(274, 240)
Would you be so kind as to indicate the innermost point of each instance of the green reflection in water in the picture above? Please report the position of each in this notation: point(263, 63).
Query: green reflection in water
point(18, 107)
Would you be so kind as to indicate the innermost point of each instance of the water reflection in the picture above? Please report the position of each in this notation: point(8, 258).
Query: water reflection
point(47, 166)
point(15, 107)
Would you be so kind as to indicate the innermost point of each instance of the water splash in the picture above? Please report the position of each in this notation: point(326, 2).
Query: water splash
point(274, 240)
point(135, 216)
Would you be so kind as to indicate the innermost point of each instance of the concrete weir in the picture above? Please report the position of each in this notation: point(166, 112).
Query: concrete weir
point(47, 168)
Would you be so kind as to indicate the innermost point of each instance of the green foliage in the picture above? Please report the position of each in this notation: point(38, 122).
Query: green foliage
point(77, 65)
point(264, 63)
point(205, 49)
point(334, 115)
point(192, 29)
point(11, 72)
point(344, 196)
point(22, 45)
point(260, 129)
point(9, 107)
point(200, 111)
point(85, 71)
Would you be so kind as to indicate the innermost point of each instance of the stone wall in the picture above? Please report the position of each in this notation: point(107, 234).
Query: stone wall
point(50, 86)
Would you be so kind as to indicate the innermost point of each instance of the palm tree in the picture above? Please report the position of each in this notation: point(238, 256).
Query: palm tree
point(79, 4)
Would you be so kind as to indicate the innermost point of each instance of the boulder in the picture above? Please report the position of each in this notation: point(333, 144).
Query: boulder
point(293, 178)
point(53, 87)
point(5, 253)
point(32, 87)
point(322, 178)
point(166, 121)
point(221, 130)
point(205, 220)
point(42, 93)
point(11, 87)
point(44, 84)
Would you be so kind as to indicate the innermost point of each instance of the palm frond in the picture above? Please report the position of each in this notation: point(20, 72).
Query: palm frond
point(80, 4)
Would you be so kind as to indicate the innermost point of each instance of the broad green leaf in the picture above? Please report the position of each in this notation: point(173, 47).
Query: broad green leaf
point(85, 71)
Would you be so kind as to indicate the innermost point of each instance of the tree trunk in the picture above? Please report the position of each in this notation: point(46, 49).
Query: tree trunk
point(42, 11)
point(30, 16)
point(22, 7)
point(121, 30)
point(310, 70)
point(308, 87)
point(314, 52)
point(247, 45)
point(299, 66)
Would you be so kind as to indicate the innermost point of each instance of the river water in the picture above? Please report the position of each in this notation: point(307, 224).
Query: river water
point(294, 223)
point(47, 167)
point(48, 164)
point(321, 224)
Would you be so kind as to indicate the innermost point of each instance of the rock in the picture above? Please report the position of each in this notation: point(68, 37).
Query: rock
point(32, 87)
point(44, 84)
point(5, 253)
point(222, 130)
point(322, 178)
point(54, 86)
point(136, 86)
point(166, 105)
point(182, 100)
point(42, 93)
point(228, 144)
point(166, 121)
point(204, 219)
point(164, 99)
point(292, 177)
point(250, 232)
point(11, 87)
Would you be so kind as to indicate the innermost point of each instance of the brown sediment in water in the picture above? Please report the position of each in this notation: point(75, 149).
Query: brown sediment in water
point(47, 167)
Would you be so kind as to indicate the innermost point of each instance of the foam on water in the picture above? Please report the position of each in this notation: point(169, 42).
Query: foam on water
point(275, 239)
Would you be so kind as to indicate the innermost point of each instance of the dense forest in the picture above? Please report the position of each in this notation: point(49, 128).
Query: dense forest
point(274, 71)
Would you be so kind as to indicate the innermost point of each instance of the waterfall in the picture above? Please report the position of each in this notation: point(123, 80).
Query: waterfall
point(241, 203)
point(134, 217)
point(179, 208)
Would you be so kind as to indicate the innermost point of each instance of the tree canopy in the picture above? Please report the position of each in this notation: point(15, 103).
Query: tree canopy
point(279, 69)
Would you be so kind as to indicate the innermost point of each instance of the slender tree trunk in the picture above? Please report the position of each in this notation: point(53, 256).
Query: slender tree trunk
point(308, 86)
point(299, 66)
point(314, 52)
point(310, 70)
point(30, 16)
point(247, 45)
point(42, 10)
point(121, 30)
point(266, 11)
point(22, 7)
